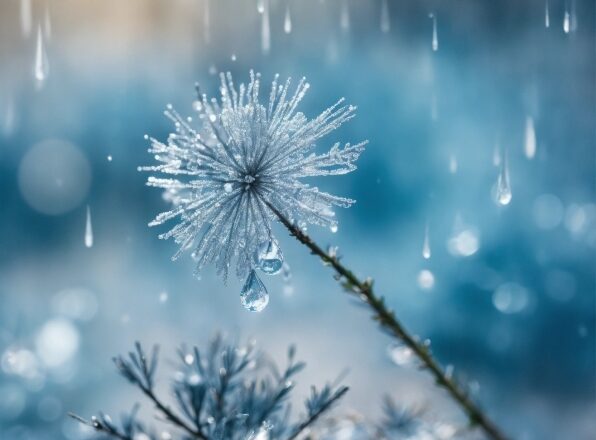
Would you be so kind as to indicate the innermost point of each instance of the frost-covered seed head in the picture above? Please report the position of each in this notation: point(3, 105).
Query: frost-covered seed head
point(240, 159)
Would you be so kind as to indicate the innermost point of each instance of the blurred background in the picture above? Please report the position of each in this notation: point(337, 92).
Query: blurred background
point(454, 97)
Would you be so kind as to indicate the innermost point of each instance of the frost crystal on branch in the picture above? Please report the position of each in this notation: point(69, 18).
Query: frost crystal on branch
point(226, 171)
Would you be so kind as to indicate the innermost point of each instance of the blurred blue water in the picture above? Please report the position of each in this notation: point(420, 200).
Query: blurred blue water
point(114, 66)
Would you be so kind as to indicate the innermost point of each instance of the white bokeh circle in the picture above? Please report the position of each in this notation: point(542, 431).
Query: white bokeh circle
point(54, 177)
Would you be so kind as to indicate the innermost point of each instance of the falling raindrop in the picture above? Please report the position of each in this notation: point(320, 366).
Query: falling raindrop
point(567, 21)
point(546, 15)
point(41, 68)
point(452, 164)
point(503, 188)
point(26, 17)
point(88, 229)
point(426, 253)
point(288, 20)
point(261, 6)
point(265, 28)
point(254, 296)
point(110, 158)
point(207, 23)
point(47, 23)
point(344, 16)
point(333, 228)
point(385, 23)
point(435, 39)
point(530, 139)
point(269, 257)
point(400, 354)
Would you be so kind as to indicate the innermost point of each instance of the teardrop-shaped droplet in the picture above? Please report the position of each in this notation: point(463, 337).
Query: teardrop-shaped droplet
point(254, 296)
point(435, 38)
point(288, 20)
point(269, 257)
point(207, 23)
point(426, 252)
point(344, 16)
point(265, 29)
point(41, 68)
point(503, 188)
point(546, 15)
point(530, 139)
point(400, 354)
point(261, 6)
point(385, 23)
point(26, 17)
point(88, 229)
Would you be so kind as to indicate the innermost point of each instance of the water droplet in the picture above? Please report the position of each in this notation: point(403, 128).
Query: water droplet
point(269, 257)
point(502, 190)
point(546, 15)
point(530, 139)
point(41, 68)
point(344, 16)
point(261, 6)
point(88, 229)
point(566, 21)
point(400, 354)
point(435, 39)
point(228, 187)
point(163, 297)
point(452, 164)
point(109, 157)
point(233, 57)
point(288, 20)
point(426, 253)
point(254, 296)
point(265, 29)
point(207, 23)
point(426, 279)
point(189, 359)
point(26, 17)
point(333, 228)
point(385, 23)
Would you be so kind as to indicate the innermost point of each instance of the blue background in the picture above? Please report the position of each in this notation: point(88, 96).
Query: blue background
point(114, 65)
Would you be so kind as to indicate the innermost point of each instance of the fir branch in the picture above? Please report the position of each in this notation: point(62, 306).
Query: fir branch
point(386, 318)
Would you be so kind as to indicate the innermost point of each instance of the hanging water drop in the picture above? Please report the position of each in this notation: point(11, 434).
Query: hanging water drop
point(269, 257)
point(265, 29)
point(503, 189)
point(426, 252)
point(261, 6)
point(88, 229)
point(400, 354)
point(26, 17)
point(288, 20)
point(435, 39)
point(385, 23)
point(344, 16)
point(546, 15)
point(254, 296)
point(530, 139)
point(41, 67)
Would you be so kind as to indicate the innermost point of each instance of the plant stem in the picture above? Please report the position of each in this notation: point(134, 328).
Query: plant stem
point(387, 319)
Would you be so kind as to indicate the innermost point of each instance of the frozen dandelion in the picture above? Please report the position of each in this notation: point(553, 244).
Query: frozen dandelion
point(241, 166)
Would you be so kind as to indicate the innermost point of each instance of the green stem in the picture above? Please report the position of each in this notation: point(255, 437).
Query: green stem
point(387, 319)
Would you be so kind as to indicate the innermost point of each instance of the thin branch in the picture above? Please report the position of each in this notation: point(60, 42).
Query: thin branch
point(314, 416)
point(100, 427)
point(387, 319)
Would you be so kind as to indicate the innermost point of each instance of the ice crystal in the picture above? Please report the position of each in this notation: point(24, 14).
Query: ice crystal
point(228, 170)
